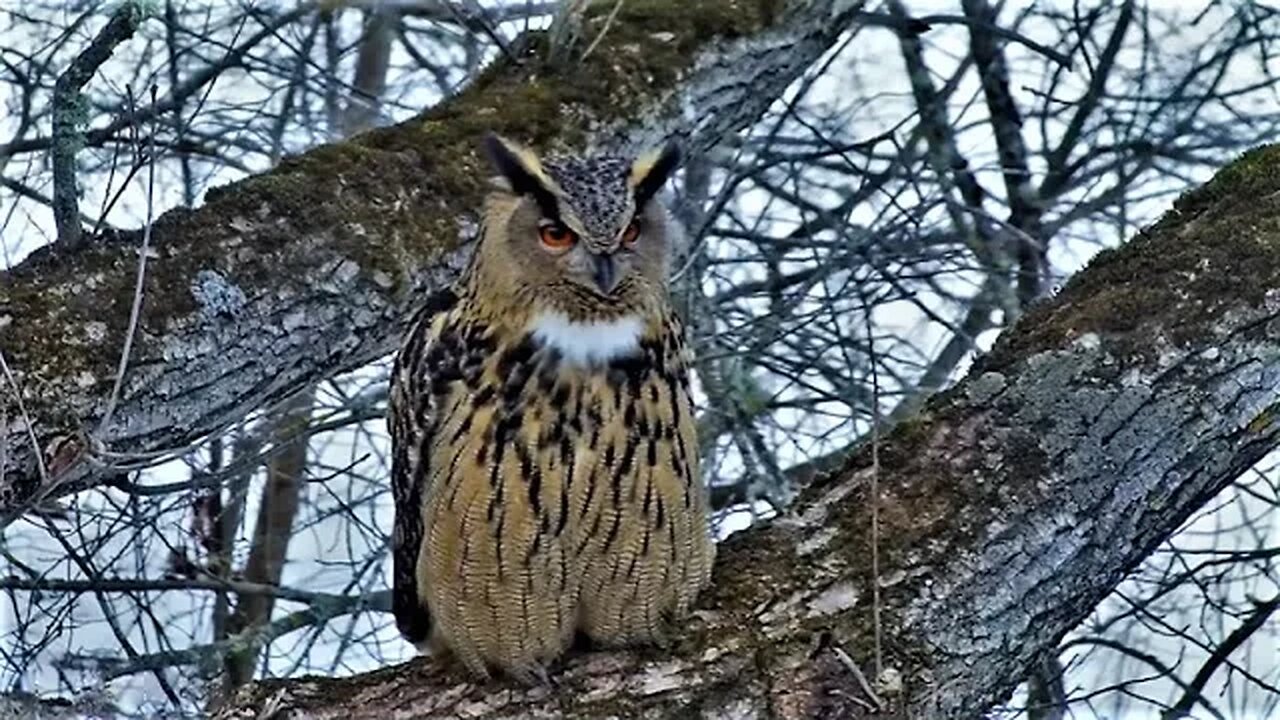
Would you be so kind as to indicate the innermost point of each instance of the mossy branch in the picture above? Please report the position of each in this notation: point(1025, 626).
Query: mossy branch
point(291, 276)
point(70, 115)
point(1007, 509)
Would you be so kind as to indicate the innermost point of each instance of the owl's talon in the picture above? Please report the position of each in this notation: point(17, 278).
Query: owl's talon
point(531, 676)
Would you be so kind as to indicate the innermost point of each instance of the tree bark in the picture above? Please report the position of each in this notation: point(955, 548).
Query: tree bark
point(1007, 510)
point(291, 276)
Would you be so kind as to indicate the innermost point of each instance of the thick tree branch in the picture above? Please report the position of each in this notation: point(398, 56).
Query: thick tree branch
point(294, 275)
point(1008, 509)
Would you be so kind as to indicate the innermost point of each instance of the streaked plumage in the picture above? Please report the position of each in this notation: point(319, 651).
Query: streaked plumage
point(545, 466)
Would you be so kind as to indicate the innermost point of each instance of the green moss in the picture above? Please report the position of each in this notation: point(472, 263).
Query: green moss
point(1256, 174)
point(141, 10)
point(390, 200)
point(1264, 420)
point(1219, 246)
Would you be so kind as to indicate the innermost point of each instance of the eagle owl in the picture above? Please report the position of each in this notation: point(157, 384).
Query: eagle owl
point(545, 464)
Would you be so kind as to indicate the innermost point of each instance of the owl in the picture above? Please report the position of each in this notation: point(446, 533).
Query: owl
point(544, 455)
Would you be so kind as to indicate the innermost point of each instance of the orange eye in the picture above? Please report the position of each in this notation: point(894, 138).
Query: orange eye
point(556, 236)
point(631, 234)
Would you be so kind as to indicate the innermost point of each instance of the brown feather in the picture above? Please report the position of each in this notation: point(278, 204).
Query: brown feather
point(537, 498)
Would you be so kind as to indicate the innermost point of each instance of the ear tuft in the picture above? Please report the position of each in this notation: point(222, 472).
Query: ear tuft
point(651, 170)
point(522, 170)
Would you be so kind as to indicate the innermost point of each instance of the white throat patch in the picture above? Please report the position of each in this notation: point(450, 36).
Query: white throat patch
point(585, 343)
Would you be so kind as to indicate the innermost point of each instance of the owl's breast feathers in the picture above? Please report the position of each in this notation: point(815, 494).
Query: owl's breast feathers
point(543, 488)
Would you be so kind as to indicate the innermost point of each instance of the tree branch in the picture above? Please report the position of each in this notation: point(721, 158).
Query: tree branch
point(281, 496)
point(209, 657)
point(1008, 509)
point(1025, 208)
point(294, 275)
point(1195, 689)
point(69, 114)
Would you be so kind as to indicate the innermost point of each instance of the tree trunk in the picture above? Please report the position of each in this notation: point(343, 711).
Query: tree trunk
point(1007, 510)
point(291, 276)
point(281, 495)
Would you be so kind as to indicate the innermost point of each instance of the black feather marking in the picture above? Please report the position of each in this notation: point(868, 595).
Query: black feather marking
point(658, 174)
point(567, 462)
point(631, 371)
point(591, 492)
point(499, 447)
point(516, 355)
point(564, 512)
point(624, 467)
point(533, 476)
point(464, 427)
point(534, 547)
point(595, 530)
point(631, 567)
point(453, 473)
point(497, 539)
point(483, 396)
point(437, 302)
point(479, 342)
point(547, 379)
point(523, 181)
point(560, 397)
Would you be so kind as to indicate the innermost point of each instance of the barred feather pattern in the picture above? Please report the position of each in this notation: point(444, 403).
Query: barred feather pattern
point(537, 498)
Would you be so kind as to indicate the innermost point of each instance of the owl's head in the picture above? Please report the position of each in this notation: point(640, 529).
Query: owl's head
point(584, 235)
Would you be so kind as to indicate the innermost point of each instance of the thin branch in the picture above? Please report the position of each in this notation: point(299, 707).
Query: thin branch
point(1195, 689)
point(135, 310)
point(70, 114)
point(210, 583)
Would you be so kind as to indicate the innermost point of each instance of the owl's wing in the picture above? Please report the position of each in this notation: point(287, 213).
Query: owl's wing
point(412, 419)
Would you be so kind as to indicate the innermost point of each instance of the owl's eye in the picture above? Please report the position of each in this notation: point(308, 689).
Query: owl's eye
point(631, 233)
point(555, 236)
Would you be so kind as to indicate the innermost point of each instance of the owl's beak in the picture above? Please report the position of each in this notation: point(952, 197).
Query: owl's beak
point(606, 273)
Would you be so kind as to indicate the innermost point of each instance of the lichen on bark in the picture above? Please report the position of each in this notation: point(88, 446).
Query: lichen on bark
point(332, 249)
point(1007, 509)
point(1165, 275)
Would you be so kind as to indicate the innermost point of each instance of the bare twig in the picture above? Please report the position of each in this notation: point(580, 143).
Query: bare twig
point(27, 422)
point(205, 655)
point(608, 22)
point(852, 666)
point(209, 583)
point(136, 310)
point(1262, 611)
point(70, 114)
